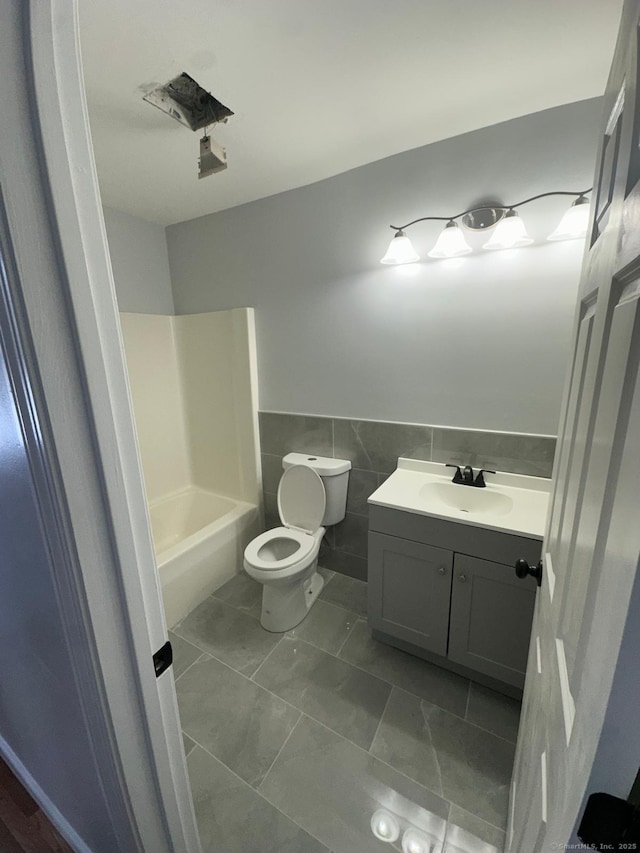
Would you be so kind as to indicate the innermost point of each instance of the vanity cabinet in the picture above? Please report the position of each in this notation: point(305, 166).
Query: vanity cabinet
point(491, 615)
point(448, 591)
point(411, 591)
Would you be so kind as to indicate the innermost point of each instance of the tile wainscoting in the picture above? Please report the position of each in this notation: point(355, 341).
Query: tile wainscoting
point(373, 447)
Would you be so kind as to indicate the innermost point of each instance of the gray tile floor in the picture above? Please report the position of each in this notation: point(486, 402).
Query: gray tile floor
point(294, 740)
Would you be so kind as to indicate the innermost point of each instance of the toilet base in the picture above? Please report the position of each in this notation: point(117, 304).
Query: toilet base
point(284, 607)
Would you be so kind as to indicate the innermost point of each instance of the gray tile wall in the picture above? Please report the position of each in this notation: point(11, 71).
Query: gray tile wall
point(373, 447)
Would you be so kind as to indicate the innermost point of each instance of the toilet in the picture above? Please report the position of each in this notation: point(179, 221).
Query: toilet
point(312, 494)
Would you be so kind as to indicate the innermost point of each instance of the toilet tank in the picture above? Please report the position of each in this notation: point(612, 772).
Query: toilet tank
point(335, 478)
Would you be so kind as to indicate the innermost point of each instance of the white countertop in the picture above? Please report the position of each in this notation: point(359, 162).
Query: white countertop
point(510, 503)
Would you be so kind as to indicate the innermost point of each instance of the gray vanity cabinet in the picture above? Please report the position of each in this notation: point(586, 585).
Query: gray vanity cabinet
point(448, 592)
point(410, 590)
point(491, 615)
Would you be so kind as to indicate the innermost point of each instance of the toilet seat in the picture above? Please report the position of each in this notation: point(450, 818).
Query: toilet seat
point(306, 543)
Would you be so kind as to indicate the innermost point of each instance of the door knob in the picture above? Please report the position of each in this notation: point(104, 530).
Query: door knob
point(442, 570)
point(523, 569)
point(462, 578)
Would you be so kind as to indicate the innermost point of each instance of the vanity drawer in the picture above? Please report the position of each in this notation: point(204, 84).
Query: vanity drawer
point(491, 545)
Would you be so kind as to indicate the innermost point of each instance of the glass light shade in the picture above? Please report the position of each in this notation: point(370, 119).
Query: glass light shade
point(574, 223)
point(450, 243)
point(400, 251)
point(384, 826)
point(510, 233)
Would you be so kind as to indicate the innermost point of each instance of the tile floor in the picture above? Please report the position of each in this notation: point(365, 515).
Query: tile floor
point(294, 740)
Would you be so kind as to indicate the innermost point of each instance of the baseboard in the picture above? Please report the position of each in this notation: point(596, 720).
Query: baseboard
point(52, 812)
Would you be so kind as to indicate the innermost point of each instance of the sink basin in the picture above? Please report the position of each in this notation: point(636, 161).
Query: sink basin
point(466, 499)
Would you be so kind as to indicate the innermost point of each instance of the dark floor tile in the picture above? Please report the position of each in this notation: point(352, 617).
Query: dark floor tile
point(281, 434)
point(233, 818)
point(232, 718)
point(332, 788)
point(330, 690)
point(430, 682)
point(467, 832)
point(446, 754)
point(233, 637)
point(475, 766)
point(325, 626)
point(241, 592)
point(403, 740)
point(187, 743)
point(346, 592)
point(184, 654)
point(493, 711)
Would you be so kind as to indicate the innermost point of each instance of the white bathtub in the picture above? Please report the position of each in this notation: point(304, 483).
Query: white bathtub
point(199, 539)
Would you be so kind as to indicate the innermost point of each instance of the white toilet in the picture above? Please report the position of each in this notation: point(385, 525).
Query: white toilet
point(312, 494)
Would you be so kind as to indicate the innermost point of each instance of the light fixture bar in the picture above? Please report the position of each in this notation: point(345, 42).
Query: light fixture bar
point(510, 231)
point(480, 206)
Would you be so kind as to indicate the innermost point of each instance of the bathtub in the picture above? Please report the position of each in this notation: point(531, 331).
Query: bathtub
point(199, 539)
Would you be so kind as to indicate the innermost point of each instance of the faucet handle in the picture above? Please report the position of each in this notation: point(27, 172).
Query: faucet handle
point(479, 481)
point(457, 477)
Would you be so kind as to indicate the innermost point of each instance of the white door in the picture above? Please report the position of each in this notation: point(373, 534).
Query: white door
point(592, 542)
point(60, 305)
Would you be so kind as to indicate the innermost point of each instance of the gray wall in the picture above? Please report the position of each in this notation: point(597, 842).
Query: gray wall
point(479, 343)
point(41, 713)
point(140, 263)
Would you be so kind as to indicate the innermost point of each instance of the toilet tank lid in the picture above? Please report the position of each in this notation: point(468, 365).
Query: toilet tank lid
point(325, 466)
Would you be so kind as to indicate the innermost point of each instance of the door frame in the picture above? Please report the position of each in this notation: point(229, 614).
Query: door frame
point(60, 310)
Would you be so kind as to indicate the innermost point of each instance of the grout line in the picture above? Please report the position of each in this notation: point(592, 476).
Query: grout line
point(193, 663)
point(260, 665)
point(259, 794)
point(422, 698)
point(286, 741)
point(193, 743)
point(477, 816)
point(338, 734)
point(382, 761)
point(350, 663)
point(254, 683)
point(384, 711)
point(344, 642)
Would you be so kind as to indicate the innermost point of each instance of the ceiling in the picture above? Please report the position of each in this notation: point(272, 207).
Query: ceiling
point(319, 88)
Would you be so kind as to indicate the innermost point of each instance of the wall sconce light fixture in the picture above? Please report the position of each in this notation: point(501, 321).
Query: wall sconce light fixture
point(510, 232)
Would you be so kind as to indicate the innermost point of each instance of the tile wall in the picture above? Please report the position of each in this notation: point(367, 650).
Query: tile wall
point(373, 447)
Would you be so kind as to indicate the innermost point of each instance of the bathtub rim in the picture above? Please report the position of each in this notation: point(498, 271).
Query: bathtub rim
point(239, 509)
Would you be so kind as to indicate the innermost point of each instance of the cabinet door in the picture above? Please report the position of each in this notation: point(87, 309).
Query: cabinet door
point(491, 615)
point(410, 591)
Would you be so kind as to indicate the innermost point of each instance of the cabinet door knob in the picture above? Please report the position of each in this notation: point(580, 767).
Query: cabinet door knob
point(523, 569)
point(462, 578)
point(442, 570)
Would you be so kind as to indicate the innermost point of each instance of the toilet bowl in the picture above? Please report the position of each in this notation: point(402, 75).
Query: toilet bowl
point(285, 559)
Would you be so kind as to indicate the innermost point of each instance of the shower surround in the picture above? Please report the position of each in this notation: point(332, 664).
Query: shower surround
point(193, 382)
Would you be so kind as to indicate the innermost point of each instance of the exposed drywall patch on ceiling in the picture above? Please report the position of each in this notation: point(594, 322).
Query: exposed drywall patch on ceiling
point(186, 101)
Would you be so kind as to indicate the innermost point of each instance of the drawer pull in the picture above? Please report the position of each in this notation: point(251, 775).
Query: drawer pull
point(442, 570)
point(462, 578)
